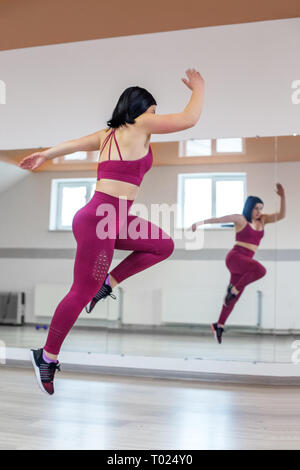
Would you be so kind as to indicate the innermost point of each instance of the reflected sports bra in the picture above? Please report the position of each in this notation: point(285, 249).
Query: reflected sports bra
point(130, 171)
point(249, 235)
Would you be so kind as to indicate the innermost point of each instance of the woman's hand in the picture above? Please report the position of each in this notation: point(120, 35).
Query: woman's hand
point(33, 161)
point(195, 80)
point(279, 190)
point(192, 227)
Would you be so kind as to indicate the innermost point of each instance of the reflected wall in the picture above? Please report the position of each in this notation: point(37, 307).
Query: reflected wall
point(287, 321)
point(252, 88)
point(167, 309)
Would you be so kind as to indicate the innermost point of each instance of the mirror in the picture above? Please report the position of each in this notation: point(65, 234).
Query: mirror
point(167, 309)
point(287, 321)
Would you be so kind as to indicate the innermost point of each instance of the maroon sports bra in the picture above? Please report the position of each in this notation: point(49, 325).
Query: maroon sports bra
point(130, 171)
point(249, 235)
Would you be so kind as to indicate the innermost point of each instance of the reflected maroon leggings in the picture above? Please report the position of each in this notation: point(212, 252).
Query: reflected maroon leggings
point(102, 225)
point(243, 270)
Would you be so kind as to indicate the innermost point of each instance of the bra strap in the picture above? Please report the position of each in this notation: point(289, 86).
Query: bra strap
point(110, 146)
point(105, 141)
point(117, 146)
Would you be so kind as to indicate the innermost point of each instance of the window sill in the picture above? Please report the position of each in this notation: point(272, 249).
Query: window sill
point(59, 230)
point(177, 229)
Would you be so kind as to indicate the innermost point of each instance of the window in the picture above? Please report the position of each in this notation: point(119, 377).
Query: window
point(67, 197)
point(70, 157)
point(75, 156)
point(229, 145)
point(195, 148)
point(209, 147)
point(206, 195)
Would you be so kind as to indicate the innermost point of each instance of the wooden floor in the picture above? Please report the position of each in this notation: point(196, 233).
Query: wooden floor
point(106, 412)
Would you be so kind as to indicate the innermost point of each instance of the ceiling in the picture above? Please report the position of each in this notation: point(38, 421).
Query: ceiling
point(36, 23)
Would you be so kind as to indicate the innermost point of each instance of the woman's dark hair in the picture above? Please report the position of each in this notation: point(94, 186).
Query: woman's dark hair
point(133, 102)
point(249, 205)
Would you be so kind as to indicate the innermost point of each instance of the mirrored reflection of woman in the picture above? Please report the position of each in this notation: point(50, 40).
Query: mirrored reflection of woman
point(125, 157)
point(249, 230)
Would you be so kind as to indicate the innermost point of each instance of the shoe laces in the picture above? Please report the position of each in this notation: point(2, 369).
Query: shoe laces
point(47, 371)
point(103, 292)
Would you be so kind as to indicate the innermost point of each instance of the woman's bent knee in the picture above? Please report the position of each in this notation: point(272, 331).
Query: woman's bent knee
point(166, 247)
point(262, 271)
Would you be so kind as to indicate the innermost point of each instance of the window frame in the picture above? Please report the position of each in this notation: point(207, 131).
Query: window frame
point(217, 152)
point(181, 179)
point(182, 151)
point(57, 185)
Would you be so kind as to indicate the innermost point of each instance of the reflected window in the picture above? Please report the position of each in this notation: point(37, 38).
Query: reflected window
point(229, 145)
point(211, 147)
point(206, 195)
point(71, 157)
point(75, 156)
point(196, 148)
point(67, 197)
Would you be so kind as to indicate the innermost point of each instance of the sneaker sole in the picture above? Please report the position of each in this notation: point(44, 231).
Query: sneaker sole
point(214, 332)
point(37, 373)
point(88, 308)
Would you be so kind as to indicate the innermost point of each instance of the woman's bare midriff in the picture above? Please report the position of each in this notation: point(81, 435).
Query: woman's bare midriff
point(116, 188)
point(133, 144)
point(250, 246)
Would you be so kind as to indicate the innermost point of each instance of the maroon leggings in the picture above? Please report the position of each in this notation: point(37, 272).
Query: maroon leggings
point(243, 270)
point(102, 225)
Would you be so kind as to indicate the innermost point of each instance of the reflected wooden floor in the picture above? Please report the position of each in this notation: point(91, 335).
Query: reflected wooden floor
point(105, 412)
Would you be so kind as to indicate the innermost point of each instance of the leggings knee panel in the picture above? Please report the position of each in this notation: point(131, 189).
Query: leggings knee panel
point(166, 247)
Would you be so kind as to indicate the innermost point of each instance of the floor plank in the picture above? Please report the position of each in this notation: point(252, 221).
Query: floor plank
point(108, 412)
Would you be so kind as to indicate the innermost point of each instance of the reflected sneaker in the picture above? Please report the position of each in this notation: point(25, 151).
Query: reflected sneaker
point(229, 296)
point(102, 293)
point(44, 371)
point(217, 331)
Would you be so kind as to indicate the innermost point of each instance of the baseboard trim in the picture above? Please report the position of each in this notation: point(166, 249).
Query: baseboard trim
point(249, 373)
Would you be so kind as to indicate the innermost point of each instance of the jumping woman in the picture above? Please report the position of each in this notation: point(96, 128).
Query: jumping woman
point(249, 230)
point(120, 173)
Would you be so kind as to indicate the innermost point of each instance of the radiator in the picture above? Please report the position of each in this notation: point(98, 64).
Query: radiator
point(48, 296)
point(190, 306)
point(12, 308)
point(193, 305)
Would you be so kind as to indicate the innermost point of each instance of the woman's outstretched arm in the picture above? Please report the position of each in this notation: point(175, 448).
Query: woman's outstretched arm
point(236, 218)
point(87, 143)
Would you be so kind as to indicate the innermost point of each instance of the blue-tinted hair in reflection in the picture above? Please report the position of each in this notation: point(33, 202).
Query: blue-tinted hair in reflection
point(249, 205)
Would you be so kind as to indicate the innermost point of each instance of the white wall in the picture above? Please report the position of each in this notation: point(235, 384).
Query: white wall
point(60, 92)
point(10, 175)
